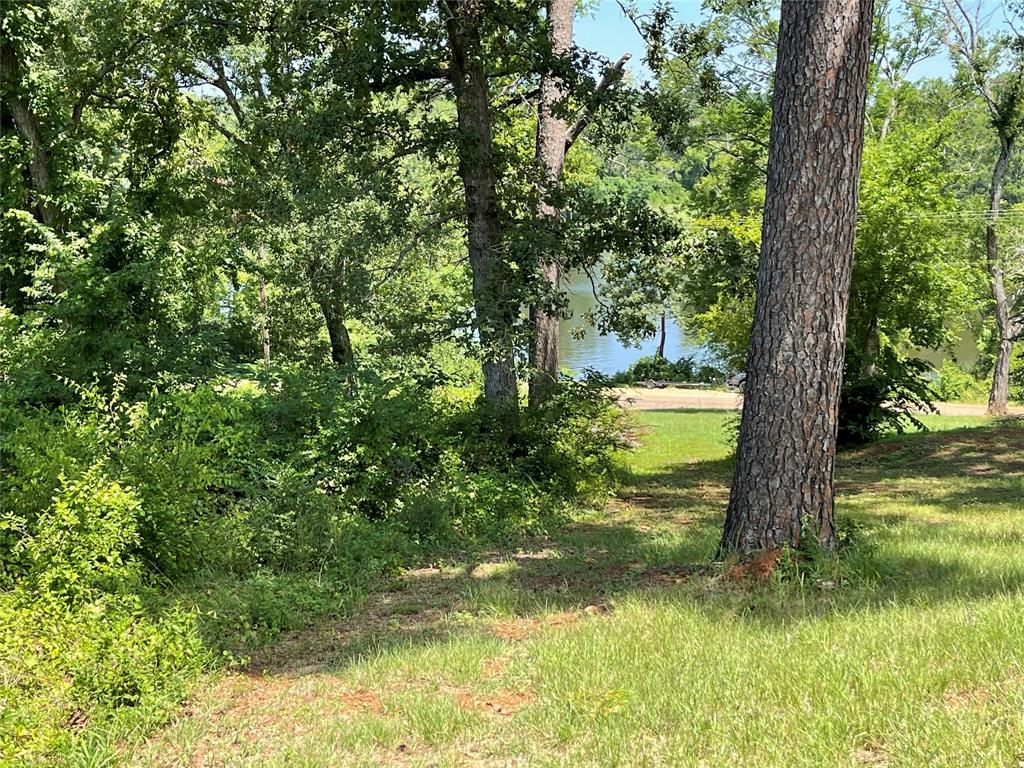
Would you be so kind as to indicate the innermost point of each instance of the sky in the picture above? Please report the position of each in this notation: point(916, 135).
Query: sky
point(603, 28)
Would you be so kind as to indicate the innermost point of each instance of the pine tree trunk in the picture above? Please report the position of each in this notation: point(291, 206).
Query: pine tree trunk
point(784, 466)
point(495, 311)
point(551, 135)
point(999, 395)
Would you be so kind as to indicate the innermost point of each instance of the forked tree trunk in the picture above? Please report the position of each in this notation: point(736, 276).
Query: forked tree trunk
point(551, 149)
point(495, 311)
point(999, 394)
point(784, 466)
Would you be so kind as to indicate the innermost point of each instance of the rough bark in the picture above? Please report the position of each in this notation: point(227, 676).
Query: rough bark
point(784, 466)
point(999, 394)
point(551, 149)
point(28, 126)
point(494, 309)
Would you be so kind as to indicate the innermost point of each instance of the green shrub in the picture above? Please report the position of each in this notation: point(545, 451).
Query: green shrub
point(954, 383)
point(100, 662)
point(86, 540)
point(887, 398)
point(263, 506)
point(488, 484)
point(655, 368)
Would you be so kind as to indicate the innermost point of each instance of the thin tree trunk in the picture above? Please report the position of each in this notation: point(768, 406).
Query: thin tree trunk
point(661, 341)
point(495, 311)
point(999, 394)
point(890, 115)
point(27, 125)
point(265, 324)
point(784, 466)
point(872, 346)
point(551, 149)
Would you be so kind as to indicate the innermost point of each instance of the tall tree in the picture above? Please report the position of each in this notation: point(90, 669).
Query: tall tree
point(25, 121)
point(784, 469)
point(551, 149)
point(555, 137)
point(495, 309)
point(1003, 94)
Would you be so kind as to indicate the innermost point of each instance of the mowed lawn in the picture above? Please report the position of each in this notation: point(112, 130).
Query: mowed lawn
point(615, 643)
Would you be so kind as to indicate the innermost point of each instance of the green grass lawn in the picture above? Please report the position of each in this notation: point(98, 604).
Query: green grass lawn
point(614, 643)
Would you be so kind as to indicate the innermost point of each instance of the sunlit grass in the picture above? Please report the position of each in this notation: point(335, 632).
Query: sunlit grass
point(614, 643)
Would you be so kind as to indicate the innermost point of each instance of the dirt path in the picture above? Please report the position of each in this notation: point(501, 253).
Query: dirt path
point(661, 399)
point(716, 400)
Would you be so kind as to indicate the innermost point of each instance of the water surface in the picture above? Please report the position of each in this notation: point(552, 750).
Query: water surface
point(607, 354)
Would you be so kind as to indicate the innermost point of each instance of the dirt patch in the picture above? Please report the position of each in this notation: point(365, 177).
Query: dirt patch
point(494, 667)
point(665, 575)
point(871, 755)
point(519, 629)
point(416, 605)
point(969, 698)
point(503, 702)
point(271, 698)
point(760, 567)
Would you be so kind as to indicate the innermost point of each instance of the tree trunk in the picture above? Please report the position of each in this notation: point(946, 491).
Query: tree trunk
point(551, 149)
point(1000, 392)
point(265, 323)
point(342, 354)
point(27, 125)
point(784, 465)
point(495, 310)
point(661, 340)
point(872, 346)
point(890, 115)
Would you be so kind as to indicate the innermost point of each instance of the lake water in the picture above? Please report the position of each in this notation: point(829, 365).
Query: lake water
point(608, 355)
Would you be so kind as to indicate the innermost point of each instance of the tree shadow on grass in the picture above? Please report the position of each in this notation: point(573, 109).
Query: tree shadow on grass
point(656, 540)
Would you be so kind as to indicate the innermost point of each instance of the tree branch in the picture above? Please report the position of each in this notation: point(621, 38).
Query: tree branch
point(221, 81)
point(108, 67)
point(407, 248)
point(611, 76)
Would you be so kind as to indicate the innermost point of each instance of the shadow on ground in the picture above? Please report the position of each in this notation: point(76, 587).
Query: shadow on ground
point(657, 538)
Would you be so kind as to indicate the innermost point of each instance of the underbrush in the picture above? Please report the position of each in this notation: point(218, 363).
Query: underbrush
point(654, 368)
point(143, 540)
point(953, 383)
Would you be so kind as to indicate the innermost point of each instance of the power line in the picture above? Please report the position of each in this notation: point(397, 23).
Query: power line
point(971, 216)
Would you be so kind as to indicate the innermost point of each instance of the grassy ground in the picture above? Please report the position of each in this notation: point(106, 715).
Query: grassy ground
point(613, 644)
